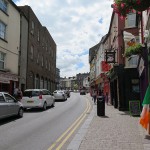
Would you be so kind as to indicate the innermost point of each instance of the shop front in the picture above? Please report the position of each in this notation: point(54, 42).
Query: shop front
point(8, 82)
point(124, 86)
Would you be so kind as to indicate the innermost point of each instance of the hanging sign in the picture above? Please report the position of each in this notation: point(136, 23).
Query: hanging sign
point(110, 57)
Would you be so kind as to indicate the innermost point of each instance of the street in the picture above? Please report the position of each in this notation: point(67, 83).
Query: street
point(38, 130)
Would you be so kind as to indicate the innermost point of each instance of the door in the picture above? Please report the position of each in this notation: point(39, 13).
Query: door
point(4, 111)
point(12, 104)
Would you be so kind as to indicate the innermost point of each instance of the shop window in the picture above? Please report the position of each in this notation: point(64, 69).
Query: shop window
point(135, 85)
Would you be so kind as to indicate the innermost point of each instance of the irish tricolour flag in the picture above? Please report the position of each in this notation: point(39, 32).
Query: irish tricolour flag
point(145, 115)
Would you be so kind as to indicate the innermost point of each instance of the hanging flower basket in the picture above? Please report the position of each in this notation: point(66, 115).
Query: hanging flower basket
point(135, 49)
point(123, 7)
point(141, 5)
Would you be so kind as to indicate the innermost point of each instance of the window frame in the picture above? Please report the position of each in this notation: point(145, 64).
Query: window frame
point(131, 20)
point(32, 52)
point(42, 61)
point(3, 6)
point(3, 30)
point(2, 61)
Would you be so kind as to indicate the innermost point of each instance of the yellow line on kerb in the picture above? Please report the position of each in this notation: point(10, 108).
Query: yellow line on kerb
point(78, 121)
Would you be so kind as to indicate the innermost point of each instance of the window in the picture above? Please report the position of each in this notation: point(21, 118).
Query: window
point(9, 99)
point(37, 60)
point(2, 60)
point(38, 35)
point(132, 61)
point(32, 51)
point(46, 63)
point(42, 61)
point(49, 66)
point(46, 47)
point(131, 20)
point(32, 27)
point(3, 5)
point(2, 99)
point(2, 30)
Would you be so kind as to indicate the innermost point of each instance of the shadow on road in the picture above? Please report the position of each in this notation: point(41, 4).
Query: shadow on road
point(8, 120)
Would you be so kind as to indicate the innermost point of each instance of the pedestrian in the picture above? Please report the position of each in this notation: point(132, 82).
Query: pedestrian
point(15, 92)
point(19, 95)
point(94, 96)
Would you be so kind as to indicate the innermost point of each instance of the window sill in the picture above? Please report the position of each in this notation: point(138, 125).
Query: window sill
point(3, 40)
point(4, 12)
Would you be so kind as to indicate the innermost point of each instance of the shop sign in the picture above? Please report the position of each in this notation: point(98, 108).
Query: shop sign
point(4, 81)
point(110, 57)
point(5, 77)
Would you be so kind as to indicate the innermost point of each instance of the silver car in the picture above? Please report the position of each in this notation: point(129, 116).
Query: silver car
point(60, 95)
point(37, 98)
point(9, 106)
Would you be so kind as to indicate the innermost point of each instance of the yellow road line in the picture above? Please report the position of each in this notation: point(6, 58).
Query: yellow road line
point(54, 144)
point(72, 131)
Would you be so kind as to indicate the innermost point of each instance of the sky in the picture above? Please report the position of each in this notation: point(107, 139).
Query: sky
point(76, 26)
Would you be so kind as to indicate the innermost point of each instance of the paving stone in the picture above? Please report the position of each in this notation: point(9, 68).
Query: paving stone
point(116, 131)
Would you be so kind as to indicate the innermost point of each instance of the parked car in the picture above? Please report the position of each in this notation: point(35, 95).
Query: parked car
point(37, 98)
point(60, 95)
point(9, 106)
point(82, 92)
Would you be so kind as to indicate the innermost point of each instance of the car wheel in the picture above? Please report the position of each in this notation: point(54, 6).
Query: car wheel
point(20, 113)
point(45, 106)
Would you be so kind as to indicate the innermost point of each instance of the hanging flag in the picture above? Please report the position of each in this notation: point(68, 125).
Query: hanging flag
point(145, 115)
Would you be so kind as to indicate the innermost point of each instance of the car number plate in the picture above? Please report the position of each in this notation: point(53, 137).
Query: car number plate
point(29, 101)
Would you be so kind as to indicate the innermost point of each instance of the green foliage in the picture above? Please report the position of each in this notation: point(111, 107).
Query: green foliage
point(133, 50)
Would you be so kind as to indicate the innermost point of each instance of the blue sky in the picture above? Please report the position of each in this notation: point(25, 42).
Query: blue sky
point(76, 26)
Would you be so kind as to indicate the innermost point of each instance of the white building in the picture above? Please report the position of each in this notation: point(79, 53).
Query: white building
point(9, 45)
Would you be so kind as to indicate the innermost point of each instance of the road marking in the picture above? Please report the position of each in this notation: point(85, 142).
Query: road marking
point(76, 124)
point(72, 131)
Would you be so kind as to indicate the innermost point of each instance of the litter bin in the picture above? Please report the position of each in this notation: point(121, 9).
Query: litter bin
point(100, 106)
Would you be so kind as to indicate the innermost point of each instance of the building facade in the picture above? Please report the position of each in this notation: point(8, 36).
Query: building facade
point(41, 54)
point(9, 45)
point(80, 77)
point(57, 78)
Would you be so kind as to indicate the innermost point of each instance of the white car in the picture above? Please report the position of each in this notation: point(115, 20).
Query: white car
point(60, 95)
point(37, 98)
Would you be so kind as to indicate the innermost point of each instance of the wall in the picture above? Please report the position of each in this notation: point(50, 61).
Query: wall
point(12, 45)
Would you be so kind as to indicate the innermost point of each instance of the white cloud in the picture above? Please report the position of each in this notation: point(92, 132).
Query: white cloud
point(75, 27)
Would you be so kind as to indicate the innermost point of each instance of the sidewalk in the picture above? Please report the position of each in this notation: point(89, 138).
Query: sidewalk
point(116, 131)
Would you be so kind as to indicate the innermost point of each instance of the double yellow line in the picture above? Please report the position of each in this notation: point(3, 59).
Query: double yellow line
point(66, 135)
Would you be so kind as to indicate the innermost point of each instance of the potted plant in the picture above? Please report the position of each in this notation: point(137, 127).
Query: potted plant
point(135, 49)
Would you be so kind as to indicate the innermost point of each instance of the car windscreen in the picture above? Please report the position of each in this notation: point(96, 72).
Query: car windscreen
point(31, 93)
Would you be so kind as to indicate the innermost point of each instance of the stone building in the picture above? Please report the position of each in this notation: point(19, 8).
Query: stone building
point(41, 54)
